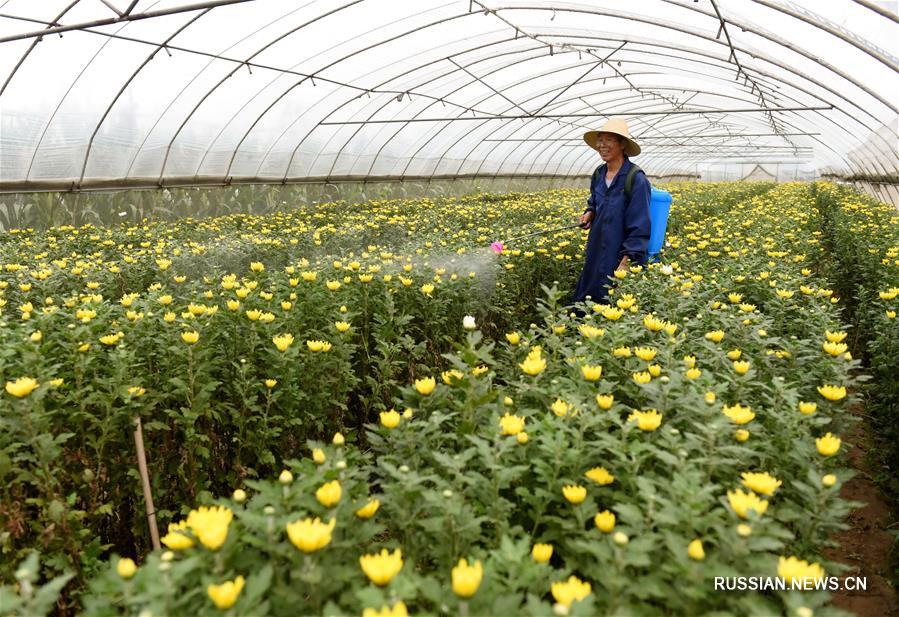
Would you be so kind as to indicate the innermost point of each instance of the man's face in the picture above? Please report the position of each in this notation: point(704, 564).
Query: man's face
point(610, 146)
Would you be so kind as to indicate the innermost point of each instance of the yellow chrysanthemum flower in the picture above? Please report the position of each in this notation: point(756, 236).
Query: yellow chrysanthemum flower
point(738, 414)
point(310, 535)
point(390, 419)
point(369, 509)
point(21, 387)
point(380, 568)
point(397, 610)
point(452, 376)
point(533, 366)
point(467, 578)
point(210, 525)
point(807, 409)
point(317, 346)
point(177, 538)
point(716, 336)
point(622, 352)
point(648, 420)
point(741, 367)
point(574, 493)
point(600, 475)
point(283, 342)
point(828, 445)
point(762, 483)
point(511, 425)
point(651, 323)
point(605, 521)
point(605, 401)
point(570, 591)
point(793, 568)
point(611, 313)
point(646, 354)
point(832, 393)
point(588, 331)
point(329, 493)
point(834, 349)
point(560, 408)
point(834, 337)
point(642, 377)
point(425, 385)
point(744, 503)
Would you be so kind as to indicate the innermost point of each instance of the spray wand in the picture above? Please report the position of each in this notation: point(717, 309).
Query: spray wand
point(498, 246)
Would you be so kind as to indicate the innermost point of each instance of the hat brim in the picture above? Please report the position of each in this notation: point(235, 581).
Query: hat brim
point(631, 147)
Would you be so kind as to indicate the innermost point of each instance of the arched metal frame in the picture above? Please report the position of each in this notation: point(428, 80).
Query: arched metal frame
point(839, 141)
point(478, 102)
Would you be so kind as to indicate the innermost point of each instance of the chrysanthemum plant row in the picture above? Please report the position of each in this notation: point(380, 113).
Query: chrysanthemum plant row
point(693, 426)
point(859, 251)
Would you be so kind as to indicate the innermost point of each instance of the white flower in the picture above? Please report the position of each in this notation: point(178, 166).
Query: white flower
point(468, 322)
point(666, 269)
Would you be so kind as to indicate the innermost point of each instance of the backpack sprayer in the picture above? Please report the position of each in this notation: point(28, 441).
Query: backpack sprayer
point(499, 246)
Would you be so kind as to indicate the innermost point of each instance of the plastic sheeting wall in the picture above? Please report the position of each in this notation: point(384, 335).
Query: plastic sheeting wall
point(169, 93)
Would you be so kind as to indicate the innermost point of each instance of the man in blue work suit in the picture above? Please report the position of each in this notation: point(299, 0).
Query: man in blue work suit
point(618, 219)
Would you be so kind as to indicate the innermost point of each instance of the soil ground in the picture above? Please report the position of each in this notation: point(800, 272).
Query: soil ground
point(866, 546)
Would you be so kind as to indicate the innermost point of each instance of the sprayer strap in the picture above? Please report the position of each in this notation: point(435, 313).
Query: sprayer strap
point(628, 180)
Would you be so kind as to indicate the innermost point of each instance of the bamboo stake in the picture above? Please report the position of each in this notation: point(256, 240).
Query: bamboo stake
point(145, 480)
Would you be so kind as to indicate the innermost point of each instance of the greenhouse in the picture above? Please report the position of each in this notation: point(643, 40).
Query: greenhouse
point(456, 307)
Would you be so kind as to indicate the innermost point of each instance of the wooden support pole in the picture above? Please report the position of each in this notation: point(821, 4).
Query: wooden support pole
point(145, 481)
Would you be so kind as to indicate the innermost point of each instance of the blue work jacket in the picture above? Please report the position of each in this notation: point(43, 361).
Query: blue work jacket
point(620, 227)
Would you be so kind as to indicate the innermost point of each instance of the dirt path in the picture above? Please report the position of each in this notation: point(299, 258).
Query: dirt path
point(866, 545)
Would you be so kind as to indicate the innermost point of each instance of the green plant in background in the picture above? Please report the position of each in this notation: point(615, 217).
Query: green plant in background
point(27, 596)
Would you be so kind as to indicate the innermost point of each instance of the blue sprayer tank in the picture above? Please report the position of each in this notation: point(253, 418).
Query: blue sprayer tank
point(659, 207)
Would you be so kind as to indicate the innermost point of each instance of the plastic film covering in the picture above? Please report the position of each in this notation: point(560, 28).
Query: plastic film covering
point(124, 93)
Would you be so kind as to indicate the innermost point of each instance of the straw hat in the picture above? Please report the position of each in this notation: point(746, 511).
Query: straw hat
point(619, 127)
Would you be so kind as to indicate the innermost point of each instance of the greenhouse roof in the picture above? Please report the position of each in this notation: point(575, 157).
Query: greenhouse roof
point(131, 93)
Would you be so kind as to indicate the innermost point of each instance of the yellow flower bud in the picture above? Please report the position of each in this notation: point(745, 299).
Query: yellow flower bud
point(126, 567)
point(541, 553)
point(695, 550)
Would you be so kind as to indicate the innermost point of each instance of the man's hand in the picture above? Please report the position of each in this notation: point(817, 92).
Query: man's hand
point(587, 220)
point(624, 261)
